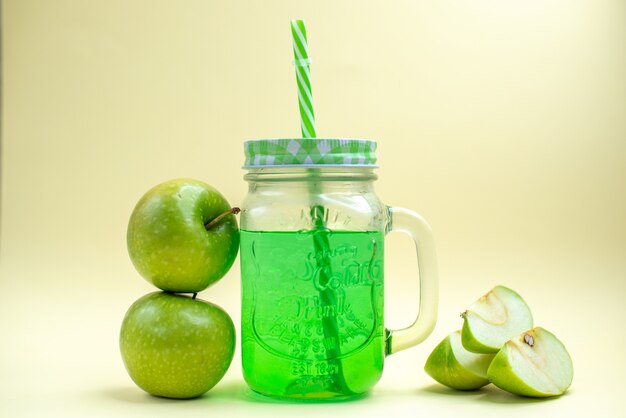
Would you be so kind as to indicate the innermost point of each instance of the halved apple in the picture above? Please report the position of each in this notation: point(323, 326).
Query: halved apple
point(533, 364)
point(452, 365)
point(494, 319)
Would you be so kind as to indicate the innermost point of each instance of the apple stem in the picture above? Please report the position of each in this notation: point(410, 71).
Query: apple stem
point(194, 295)
point(230, 211)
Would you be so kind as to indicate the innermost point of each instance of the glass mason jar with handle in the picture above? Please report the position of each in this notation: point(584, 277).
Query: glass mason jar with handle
point(312, 255)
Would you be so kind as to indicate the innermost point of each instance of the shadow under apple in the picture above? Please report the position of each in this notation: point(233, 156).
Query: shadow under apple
point(131, 394)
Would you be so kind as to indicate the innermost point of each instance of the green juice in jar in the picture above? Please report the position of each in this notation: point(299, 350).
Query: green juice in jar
point(312, 312)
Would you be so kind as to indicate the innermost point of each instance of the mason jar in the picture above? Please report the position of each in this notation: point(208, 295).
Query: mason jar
point(312, 270)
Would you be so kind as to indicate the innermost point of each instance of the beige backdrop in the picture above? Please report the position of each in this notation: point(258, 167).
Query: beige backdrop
point(501, 122)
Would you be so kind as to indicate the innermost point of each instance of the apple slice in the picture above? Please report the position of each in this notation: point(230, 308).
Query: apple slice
point(494, 319)
point(452, 365)
point(533, 364)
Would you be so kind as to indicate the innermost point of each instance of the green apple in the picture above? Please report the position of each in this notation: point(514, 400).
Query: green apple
point(182, 236)
point(452, 365)
point(176, 346)
point(494, 319)
point(533, 364)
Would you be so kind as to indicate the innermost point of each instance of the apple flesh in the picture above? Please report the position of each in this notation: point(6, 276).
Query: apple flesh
point(533, 364)
point(452, 365)
point(176, 346)
point(169, 243)
point(494, 319)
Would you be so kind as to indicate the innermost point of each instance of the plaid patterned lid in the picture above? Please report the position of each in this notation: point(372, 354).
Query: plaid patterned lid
point(309, 152)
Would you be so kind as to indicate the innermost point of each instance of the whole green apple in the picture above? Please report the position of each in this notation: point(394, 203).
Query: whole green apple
point(176, 346)
point(177, 238)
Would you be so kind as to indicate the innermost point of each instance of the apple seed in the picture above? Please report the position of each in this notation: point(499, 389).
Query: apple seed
point(528, 339)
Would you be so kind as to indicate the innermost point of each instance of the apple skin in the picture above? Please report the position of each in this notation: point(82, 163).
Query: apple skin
point(546, 362)
point(447, 368)
point(175, 346)
point(168, 242)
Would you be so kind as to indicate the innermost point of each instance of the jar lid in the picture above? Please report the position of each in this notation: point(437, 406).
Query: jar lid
point(310, 152)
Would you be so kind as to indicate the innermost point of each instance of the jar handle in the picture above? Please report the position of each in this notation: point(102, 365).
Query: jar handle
point(412, 224)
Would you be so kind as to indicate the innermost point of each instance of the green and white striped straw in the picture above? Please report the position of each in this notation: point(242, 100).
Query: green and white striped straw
point(321, 242)
point(303, 74)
